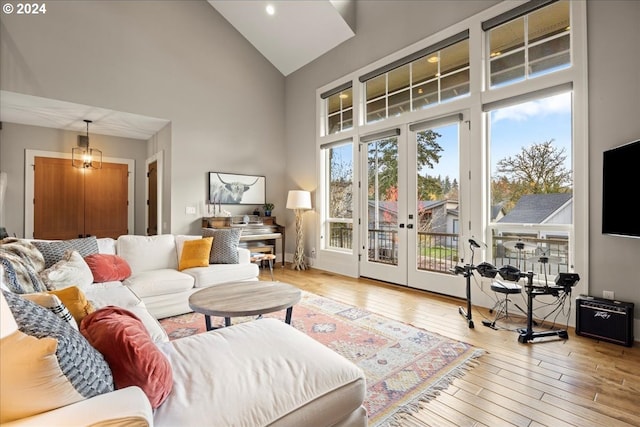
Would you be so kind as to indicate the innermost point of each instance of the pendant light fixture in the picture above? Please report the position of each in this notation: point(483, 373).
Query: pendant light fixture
point(84, 157)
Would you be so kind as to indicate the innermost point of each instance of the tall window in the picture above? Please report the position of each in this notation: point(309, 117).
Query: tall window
point(339, 196)
point(533, 44)
point(532, 183)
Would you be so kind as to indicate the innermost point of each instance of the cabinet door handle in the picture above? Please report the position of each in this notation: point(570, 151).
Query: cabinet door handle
point(401, 225)
point(409, 225)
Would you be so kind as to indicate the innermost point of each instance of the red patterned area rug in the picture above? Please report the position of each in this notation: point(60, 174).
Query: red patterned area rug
point(404, 365)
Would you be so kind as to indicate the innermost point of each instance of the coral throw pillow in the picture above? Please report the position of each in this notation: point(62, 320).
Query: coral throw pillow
point(108, 267)
point(127, 347)
point(195, 253)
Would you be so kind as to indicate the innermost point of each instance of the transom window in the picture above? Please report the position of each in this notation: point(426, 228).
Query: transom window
point(533, 44)
point(339, 108)
point(427, 78)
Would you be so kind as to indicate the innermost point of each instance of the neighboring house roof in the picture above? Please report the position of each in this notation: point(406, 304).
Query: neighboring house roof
point(536, 208)
point(496, 211)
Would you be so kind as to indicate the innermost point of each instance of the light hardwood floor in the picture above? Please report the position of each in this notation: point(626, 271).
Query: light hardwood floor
point(573, 382)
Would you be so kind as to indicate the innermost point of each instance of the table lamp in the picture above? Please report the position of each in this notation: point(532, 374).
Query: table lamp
point(299, 200)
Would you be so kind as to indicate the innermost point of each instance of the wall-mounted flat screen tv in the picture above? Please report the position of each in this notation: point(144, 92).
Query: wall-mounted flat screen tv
point(620, 190)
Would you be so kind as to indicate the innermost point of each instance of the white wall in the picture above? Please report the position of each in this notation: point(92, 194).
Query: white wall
point(177, 60)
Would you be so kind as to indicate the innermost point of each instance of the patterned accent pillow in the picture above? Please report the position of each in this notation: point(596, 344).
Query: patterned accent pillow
point(61, 368)
point(54, 251)
point(224, 249)
point(53, 303)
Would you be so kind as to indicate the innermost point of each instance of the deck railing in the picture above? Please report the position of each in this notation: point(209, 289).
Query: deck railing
point(439, 251)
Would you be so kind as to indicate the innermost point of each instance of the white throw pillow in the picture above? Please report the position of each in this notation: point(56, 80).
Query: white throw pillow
point(71, 270)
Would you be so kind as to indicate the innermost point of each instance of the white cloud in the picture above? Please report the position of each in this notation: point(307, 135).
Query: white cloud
point(557, 104)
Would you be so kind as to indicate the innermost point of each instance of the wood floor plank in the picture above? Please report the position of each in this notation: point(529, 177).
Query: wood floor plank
point(575, 382)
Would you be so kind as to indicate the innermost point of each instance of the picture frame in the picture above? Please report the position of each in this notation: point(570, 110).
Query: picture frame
point(235, 189)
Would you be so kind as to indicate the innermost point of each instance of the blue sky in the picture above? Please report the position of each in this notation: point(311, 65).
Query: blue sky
point(512, 128)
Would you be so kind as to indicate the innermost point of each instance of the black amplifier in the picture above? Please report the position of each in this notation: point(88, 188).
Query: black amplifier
point(605, 319)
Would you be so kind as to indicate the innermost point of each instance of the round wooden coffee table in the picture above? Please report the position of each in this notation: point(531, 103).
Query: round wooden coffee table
point(237, 299)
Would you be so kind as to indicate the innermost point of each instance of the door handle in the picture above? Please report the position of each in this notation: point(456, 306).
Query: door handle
point(409, 225)
point(401, 226)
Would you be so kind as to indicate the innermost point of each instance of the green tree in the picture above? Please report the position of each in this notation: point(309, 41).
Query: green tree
point(537, 169)
point(383, 160)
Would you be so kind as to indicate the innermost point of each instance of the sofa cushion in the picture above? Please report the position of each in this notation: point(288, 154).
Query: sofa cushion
point(108, 268)
point(133, 357)
point(46, 364)
point(293, 380)
point(115, 293)
point(195, 253)
point(159, 282)
point(53, 304)
point(71, 270)
point(75, 300)
point(146, 253)
point(53, 251)
point(222, 273)
point(224, 249)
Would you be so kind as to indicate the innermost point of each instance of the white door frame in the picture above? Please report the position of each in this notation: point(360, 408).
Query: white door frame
point(158, 158)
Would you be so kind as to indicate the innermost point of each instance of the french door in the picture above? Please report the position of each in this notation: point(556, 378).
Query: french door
point(411, 204)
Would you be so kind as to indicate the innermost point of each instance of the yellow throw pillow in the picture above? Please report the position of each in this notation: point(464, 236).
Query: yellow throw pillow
point(195, 253)
point(75, 300)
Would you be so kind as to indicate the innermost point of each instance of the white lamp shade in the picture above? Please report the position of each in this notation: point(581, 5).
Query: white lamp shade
point(299, 199)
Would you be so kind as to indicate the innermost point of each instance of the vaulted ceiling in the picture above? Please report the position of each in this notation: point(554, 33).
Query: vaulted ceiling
point(295, 34)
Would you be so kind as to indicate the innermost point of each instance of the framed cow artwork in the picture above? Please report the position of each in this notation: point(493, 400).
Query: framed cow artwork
point(234, 189)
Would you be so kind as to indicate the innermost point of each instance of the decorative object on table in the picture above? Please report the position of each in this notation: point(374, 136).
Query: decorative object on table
point(268, 208)
point(256, 212)
point(233, 189)
point(299, 201)
point(84, 157)
point(404, 365)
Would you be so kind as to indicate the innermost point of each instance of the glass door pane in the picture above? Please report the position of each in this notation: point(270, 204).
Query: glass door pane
point(434, 201)
point(383, 212)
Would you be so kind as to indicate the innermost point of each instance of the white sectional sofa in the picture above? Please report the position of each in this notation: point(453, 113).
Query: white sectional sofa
point(155, 278)
point(259, 373)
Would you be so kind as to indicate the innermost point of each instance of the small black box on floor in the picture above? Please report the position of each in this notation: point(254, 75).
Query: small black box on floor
point(605, 320)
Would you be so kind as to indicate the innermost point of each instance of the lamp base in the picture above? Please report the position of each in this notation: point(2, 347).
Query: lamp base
point(298, 256)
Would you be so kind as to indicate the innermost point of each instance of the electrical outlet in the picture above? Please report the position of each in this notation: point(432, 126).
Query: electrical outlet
point(608, 295)
point(190, 210)
point(313, 252)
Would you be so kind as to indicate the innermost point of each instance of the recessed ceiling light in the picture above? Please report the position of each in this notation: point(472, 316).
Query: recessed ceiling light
point(270, 9)
point(432, 59)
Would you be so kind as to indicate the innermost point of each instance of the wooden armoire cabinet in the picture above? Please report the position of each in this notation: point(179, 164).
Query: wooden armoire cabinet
point(71, 202)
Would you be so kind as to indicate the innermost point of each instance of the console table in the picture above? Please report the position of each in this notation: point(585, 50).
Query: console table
point(259, 234)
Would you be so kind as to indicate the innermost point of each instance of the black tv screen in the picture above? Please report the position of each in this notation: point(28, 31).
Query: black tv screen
point(620, 190)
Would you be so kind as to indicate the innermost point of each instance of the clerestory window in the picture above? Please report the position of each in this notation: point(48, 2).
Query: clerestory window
point(528, 41)
point(428, 77)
